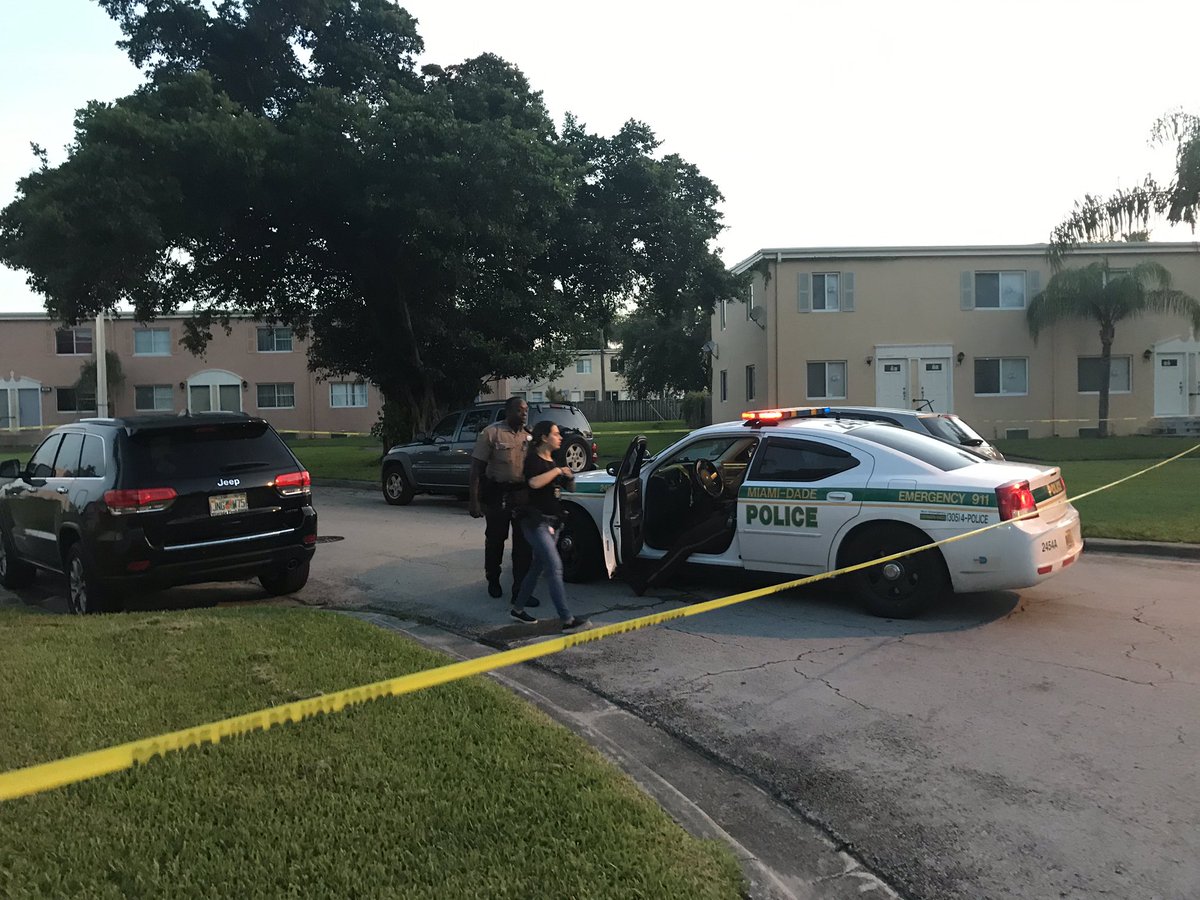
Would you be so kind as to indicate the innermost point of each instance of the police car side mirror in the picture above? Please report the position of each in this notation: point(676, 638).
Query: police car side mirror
point(611, 469)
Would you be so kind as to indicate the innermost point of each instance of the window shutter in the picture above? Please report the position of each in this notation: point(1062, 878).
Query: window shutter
point(847, 284)
point(966, 284)
point(1033, 285)
point(804, 292)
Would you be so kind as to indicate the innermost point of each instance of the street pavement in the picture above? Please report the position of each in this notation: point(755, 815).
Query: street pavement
point(1029, 744)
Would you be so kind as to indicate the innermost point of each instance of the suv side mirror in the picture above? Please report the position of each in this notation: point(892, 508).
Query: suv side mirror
point(10, 468)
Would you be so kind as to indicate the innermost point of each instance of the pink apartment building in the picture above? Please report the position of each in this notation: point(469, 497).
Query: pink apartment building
point(258, 369)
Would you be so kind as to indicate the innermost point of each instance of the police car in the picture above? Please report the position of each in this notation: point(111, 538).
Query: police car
point(800, 491)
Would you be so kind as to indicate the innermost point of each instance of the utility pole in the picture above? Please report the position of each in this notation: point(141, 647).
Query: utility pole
point(101, 368)
point(603, 395)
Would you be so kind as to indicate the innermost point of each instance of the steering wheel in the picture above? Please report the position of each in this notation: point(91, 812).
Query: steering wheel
point(709, 477)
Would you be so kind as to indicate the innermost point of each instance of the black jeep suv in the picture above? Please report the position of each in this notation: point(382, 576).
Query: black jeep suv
point(152, 502)
point(440, 462)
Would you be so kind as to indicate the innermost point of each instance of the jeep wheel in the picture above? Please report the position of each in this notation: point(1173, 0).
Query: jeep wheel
point(85, 594)
point(285, 581)
point(576, 454)
point(14, 573)
point(396, 489)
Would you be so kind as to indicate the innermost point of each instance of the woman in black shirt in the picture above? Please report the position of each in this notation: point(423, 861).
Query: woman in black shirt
point(539, 519)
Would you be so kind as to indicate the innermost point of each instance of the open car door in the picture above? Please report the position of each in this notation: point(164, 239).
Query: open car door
point(621, 520)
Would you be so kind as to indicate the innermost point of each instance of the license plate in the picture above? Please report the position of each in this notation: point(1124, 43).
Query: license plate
point(227, 504)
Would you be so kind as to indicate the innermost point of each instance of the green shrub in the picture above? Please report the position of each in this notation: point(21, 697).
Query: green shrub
point(697, 408)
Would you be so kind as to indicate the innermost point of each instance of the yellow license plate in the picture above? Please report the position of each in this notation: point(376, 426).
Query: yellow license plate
point(227, 504)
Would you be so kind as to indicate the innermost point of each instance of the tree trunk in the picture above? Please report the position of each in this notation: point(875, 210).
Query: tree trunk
point(1106, 341)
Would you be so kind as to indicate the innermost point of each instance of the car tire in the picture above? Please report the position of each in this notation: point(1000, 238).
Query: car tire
point(576, 454)
point(285, 581)
point(579, 547)
point(902, 588)
point(85, 594)
point(396, 488)
point(14, 572)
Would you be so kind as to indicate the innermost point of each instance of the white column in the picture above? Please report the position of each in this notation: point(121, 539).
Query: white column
point(101, 368)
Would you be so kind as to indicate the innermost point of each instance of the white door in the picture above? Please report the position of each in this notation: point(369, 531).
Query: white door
point(934, 384)
point(1170, 385)
point(891, 383)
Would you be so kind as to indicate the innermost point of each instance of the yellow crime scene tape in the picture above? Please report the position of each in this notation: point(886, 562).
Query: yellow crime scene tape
point(42, 777)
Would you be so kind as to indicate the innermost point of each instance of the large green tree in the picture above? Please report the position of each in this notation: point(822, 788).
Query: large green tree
point(288, 160)
point(1107, 297)
point(1130, 211)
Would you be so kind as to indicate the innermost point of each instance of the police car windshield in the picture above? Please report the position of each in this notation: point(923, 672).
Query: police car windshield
point(928, 450)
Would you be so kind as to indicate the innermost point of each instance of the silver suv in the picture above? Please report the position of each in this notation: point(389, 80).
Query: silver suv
point(943, 426)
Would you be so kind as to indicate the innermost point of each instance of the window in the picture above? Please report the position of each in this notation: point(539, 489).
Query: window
point(474, 421)
point(583, 366)
point(153, 397)
point(749, 301)
point(277, 396)
point(91, 462)
point(1091, 374)
point(589, 395)
point(71, 400)
point(615, 365)
point(41, 465)
point(827, 380)
point(724, 308)
point(272, 339)
point(749, 382)
point(800, 461)
point(537, 397)
point(66, 464)
point(445, 429)
point(73, 341)
point(995, 377)
point(724, 385)
point(612, 396)
point(1000, 290)
point(520, 394)
point(825, 291)
point(344, 394)
point(152, 342)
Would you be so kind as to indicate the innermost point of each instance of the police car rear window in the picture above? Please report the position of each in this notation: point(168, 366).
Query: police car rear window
point(928, 450)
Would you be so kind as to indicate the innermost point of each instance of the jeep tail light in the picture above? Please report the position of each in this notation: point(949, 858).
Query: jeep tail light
point(1015, 499)
point(142, 500)
point(293, 484)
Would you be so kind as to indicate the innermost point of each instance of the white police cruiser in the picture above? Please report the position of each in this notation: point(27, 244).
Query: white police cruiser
point(799, 491)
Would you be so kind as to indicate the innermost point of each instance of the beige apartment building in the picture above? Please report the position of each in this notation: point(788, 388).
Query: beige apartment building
point(898, 326)
point(257, 369)
point(582, 380)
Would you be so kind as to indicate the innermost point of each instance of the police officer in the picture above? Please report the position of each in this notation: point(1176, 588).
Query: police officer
point(497, 471)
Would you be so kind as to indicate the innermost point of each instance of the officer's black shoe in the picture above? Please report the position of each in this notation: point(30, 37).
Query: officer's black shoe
point(494, 589)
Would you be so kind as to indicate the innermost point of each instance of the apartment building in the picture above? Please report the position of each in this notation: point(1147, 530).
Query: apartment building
point(257, 369)
point(595, 375)
point(945, 327)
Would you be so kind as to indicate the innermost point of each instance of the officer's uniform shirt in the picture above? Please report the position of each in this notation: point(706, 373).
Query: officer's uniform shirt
point(503, 449)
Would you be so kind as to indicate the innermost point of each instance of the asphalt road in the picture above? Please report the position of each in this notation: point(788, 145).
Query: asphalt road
point(1034, 744)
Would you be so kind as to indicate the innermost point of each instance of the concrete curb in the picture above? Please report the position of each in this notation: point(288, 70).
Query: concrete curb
point(782, 856)
point(1159, 549)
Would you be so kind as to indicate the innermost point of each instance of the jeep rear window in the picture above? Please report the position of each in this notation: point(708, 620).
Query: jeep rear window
point(202, 449)
point(928, 450)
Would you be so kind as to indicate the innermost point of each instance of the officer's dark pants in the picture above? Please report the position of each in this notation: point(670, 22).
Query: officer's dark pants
point(499, 522)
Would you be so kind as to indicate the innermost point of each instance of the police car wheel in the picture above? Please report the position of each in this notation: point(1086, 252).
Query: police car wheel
point(900, 588)
point(396, 489)
point(579, 547)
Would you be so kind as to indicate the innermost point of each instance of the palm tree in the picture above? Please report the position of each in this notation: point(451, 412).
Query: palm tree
point(1106, 297)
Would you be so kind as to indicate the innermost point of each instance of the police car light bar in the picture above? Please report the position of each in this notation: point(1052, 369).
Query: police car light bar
point(775, 416)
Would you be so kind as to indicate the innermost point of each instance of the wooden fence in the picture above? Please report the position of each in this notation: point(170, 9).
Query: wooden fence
point(631, 410)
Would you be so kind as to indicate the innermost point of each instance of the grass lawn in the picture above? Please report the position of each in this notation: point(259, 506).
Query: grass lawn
point(459, 791)
point(349, 457)
point(1158, 506)
point(1057, 450)
point(612, 438)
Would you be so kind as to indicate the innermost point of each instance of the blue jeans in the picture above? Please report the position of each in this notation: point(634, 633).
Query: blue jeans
point(545, 560)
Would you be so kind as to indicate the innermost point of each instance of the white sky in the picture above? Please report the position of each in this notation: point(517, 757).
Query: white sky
point(823, 124)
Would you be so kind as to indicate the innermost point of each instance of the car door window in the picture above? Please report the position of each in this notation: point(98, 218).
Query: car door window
point(91, 461)
point(474, 421)
point(66, 463)
point(801, 461)
point(41, 465)
point(445, 429)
